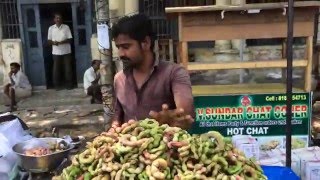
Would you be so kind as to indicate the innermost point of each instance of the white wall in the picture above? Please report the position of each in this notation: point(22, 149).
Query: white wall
point(11, 52)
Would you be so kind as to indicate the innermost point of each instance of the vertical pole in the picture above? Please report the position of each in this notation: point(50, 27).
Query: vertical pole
point(284, 56)
point(183, 44)
point(242, 42)
point(289, 81)
point(308, 70)
point(102, 8)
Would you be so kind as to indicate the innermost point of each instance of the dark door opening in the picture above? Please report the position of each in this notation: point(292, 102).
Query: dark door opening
point(46, 18)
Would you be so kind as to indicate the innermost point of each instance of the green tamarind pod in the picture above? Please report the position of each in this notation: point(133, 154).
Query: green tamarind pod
point(220, 176)
point(156, 141)
point(235, 168)
point(87, 176)
point(94, 168)
point(223, 161)
point(160, 148)
point(74, 172)
point(143, 134)
point(149, 123)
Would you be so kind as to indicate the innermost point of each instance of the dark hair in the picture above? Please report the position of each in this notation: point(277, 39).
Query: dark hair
point(57, 14)
point(137, 27)
point(95, 62)
point(14, 64)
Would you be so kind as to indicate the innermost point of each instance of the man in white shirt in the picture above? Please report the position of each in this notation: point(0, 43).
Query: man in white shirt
point(91, 82)
point(59, 36)
point(19, 86)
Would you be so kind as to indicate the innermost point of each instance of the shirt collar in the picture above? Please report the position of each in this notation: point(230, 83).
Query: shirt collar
point(57, 26)
point(91, 68)
point(156, 62)
point(16, 74)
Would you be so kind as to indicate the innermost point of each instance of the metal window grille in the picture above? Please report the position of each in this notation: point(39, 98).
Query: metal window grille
point(9, 19)
point(155, 10)
point(181, 3)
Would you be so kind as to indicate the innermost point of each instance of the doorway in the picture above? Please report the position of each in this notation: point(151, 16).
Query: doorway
point(46, 20)
point(37, 17)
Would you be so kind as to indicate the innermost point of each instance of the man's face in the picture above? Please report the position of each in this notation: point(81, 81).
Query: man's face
point(57, 19)
point(14, 69)
point(130, 50)
point(96, 66)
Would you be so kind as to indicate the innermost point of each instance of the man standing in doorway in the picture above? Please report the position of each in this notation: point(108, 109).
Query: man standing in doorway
point(91, 82)
point(59, 37)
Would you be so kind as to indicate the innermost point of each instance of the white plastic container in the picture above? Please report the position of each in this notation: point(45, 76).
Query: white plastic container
point(247, 144)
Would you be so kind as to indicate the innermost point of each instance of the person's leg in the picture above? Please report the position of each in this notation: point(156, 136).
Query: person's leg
point(57, 60)
point(97, 95)
point(22, 93)
point(90, 93)
point(68, 70)
point(12, 96)
point(6, 89)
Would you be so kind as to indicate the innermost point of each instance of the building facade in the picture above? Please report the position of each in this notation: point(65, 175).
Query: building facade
point(24, 26)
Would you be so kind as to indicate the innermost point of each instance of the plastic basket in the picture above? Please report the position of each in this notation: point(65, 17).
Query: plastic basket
point(279, 173)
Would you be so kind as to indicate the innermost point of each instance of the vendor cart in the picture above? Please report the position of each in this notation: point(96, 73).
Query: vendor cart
point(251, 21)
point(250, 109)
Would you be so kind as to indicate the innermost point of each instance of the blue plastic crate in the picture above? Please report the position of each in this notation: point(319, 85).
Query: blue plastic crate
point(279, 173)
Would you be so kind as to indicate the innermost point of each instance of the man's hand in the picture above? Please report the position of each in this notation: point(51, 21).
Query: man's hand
point(176, 117)
point(10, 73)
point(56, 43)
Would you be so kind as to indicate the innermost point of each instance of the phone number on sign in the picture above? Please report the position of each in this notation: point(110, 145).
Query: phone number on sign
point(298, 97)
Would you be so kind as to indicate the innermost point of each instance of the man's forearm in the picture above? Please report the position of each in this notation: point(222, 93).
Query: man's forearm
point(12, 81)
point(96, 80)
point(50, 42)
point(67, 41)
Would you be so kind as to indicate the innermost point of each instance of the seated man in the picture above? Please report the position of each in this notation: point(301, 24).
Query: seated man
point(91, 82)
point(19, 86)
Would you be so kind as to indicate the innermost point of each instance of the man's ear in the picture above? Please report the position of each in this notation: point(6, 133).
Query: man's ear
point(146, 43)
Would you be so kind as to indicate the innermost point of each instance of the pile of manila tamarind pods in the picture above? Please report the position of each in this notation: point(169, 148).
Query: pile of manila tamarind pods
point(145, 150)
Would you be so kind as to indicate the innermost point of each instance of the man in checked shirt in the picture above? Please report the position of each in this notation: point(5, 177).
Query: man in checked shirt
point(148, 88)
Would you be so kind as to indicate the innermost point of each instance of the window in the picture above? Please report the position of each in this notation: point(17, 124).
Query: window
point(155, 11)
point(9, 19)
point(31, 19)
point(82, 36)
point(33, 39)
point(81, 17)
